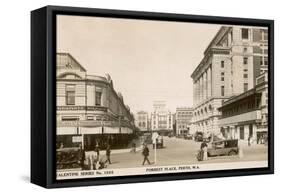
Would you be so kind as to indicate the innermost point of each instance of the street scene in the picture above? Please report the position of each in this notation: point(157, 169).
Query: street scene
point(143, 94)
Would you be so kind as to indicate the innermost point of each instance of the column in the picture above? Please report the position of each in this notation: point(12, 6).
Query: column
point(194, 92)
point(209, 90)
point(205, 84)
point(199, 90)
point(201, 87)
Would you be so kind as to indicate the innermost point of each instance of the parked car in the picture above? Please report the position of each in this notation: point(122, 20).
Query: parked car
point(68, 158)
point(223, 147)
point(188, 136)
point(198, 136)
point(171, 135)
point(181, 136)
point(207, 139)
point(159, 142)
point(147, 138)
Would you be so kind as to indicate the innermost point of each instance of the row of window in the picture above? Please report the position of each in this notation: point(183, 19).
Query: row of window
point(240, 108)
point(70, 95)
point(258, 34)
point(142, 124)
point(202, 110)
point(245, 85)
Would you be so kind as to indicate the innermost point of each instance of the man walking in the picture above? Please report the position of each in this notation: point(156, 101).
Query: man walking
point(145, 154)
point(108, 151)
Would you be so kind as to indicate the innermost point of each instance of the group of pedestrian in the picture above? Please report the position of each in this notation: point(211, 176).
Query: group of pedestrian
point(261, 139)
point(92, 160)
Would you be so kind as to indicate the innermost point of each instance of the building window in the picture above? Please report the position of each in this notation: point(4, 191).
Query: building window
point(222, 76)
point(70, 94)
point(222, 64)
point(265, 61)
point(222, 90)
point(245, 49)
point(90, 118)
point(245, 33)
point(245, 87)
point(70, 118)
point(98, 96)
point(245, 75)
point(245, 60)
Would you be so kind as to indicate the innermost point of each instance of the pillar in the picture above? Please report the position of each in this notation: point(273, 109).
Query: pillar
point(209, 82)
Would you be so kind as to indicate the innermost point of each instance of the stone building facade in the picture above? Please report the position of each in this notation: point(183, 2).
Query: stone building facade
point(246, 115)
point(142, 121)
point(183, 120)
point(232, 61)
point(161, 118)
point(88, 107)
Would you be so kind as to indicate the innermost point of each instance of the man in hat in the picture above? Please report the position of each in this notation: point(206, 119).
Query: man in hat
point(145, 154)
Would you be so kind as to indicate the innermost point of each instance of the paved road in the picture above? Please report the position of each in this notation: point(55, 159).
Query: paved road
point(182, 152)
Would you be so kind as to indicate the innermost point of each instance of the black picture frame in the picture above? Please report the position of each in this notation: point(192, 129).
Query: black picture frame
point(43, 90)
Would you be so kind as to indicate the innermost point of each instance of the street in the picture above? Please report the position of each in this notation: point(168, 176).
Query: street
point(181, 152)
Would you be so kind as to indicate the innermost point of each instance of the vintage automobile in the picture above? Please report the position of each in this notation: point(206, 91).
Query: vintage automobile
point(159, 142)
point(198, 136)
point(147, 138)
point(68, 158)
point(223, 147)
point(188, 137)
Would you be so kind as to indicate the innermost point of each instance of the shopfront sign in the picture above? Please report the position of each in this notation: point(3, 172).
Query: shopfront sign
point(77, 139)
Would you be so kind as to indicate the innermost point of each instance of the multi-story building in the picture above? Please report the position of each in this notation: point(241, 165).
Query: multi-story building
point(161, 118)
point(183, 120)
point(142, 121)
point(245, 115)
point(89, 110)
point(232, 61)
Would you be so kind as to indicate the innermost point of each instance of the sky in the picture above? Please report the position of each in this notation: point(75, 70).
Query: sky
point(147, 60)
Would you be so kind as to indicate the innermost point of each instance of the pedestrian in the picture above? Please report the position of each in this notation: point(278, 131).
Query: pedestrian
point(240, 152)
point(262, 139)
point(204, 148)
point(97, 151)
point(145, 154)
point(61, 145)
point(134, 147)
point(249, 140)
point(108, 151)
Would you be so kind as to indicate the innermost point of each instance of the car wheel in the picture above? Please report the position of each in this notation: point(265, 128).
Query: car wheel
point(232, 153)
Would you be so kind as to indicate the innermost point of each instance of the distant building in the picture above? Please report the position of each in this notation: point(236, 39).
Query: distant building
point(89, 111)
point(245, 115)
point(142, 121)
point(233, 60)
point(183, 120)
point(161, 118)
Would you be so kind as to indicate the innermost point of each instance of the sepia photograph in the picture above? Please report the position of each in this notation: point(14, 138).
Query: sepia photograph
point(143, 97)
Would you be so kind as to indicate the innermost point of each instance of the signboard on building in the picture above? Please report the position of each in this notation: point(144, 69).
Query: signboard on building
point(77, 139)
